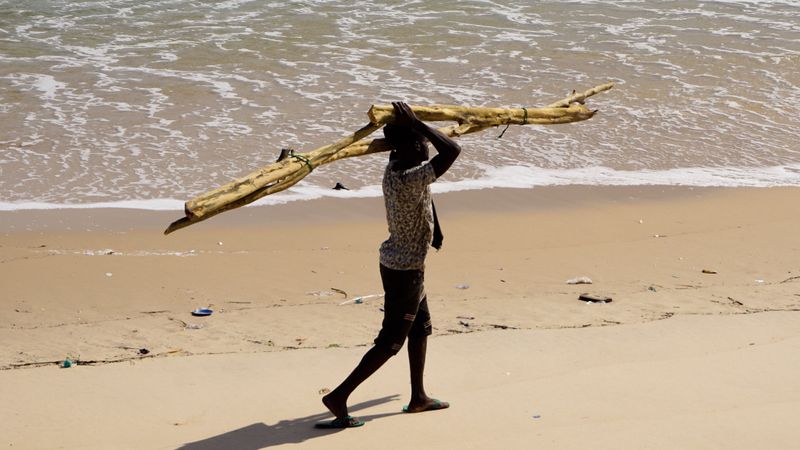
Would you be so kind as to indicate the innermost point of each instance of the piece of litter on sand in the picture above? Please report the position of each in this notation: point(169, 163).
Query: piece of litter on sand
point(537, 416)
point(591, 298)
point(709, 271)
point(320, 293)
point(359, 300)
point(737, 302)
point(193, 326)
point(339, 291)
point(462, 286)
point(219, 243)
point(759, 281)
point(108, 274)
point(579, 280)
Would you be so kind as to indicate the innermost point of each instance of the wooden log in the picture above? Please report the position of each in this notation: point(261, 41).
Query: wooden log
point(383, 114)
point(361, 148)
point(368, 147)
point(581, 97)
point(262, 178)
point(289, 171)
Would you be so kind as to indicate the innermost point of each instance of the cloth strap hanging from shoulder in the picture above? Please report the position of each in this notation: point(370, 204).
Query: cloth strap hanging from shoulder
point(438, 237)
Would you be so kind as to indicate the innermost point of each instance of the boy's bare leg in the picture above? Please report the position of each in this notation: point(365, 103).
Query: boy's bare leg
point(336, 401)
point(417, 349)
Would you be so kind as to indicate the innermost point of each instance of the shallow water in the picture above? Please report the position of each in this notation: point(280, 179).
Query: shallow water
point(151, 103)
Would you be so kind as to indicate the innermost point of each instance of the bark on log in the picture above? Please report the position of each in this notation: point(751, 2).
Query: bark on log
point(383, 114)
point(262, 178)
point(287, 172)
point(581, 97)
point(360, 148)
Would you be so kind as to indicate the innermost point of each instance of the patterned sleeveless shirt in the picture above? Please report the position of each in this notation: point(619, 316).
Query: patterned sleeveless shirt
point(407, 196)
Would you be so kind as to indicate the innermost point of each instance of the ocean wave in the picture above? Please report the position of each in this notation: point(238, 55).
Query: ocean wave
point(514, 177)
point(125, 99)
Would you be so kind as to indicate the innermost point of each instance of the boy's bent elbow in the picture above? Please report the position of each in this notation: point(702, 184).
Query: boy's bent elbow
point(455, 149)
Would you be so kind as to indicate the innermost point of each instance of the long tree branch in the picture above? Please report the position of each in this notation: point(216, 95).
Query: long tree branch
point(287, 172)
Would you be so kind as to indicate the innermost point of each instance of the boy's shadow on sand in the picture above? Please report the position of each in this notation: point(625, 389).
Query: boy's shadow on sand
point(260, 435)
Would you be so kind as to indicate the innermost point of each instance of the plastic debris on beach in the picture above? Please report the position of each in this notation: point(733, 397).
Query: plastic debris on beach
point(592, 298)
point(193, 326)
point(580, 280)
point(709, 271)
point(339, 291)
point(360, 299)
point(108, 274)
point(68, 362)
point(462, 286)
point(321, 293)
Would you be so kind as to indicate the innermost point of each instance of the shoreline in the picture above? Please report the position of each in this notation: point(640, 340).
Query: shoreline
point(333, 209)
point(114, 283)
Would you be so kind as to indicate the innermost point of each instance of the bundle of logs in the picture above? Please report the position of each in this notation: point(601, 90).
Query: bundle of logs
point(292, 167)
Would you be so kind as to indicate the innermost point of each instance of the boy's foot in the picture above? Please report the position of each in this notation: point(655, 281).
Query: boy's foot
point(430, 404)
point(343, 422)
point(337, 406)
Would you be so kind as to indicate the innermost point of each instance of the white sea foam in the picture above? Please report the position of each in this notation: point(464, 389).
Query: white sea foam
point(516, 177)
point(149, 204)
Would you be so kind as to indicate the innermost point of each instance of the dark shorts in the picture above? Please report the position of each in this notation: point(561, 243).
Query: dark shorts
point(405, 308)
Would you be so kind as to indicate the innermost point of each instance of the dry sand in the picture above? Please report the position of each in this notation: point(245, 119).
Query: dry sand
point(524, 362)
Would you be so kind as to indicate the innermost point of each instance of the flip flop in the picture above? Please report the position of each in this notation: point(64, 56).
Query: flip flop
point(340, 422)
point(436, 405)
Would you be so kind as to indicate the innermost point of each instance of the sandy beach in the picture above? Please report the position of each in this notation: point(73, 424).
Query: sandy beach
point(676, 203)
point(680, 358)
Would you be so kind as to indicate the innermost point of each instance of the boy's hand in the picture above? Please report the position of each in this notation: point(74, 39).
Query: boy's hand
point(404, 116)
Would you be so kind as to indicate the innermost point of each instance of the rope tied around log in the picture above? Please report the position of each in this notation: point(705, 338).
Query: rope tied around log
point(302, 158)
point(508, 123)
point(290, 153)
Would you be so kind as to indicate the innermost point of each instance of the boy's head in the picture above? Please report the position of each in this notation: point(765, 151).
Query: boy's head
point(409, 145)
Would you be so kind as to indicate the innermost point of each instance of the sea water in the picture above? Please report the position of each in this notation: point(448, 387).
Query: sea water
point(145, 104)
